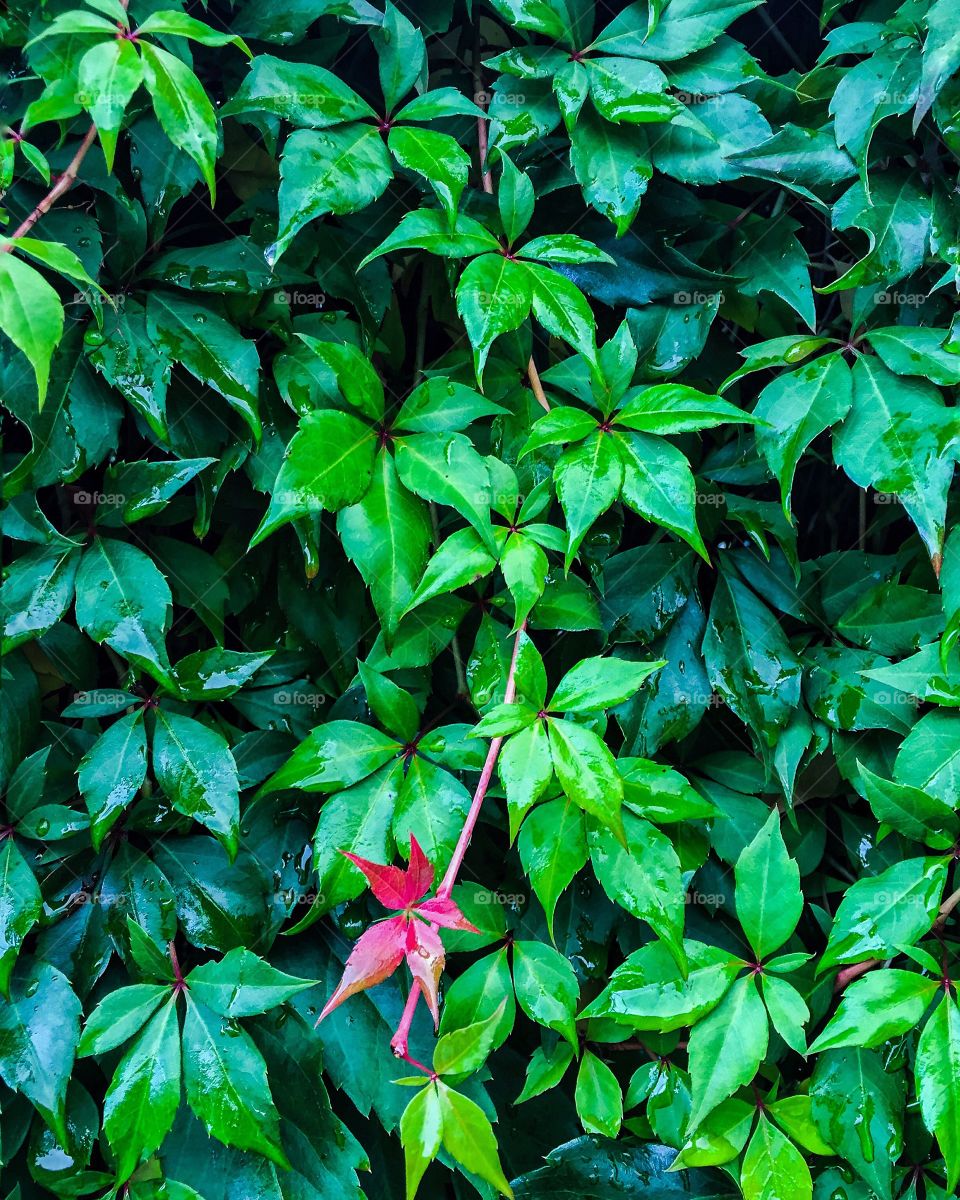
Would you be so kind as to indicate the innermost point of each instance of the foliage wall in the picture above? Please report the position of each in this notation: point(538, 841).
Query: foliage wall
point(510, 444)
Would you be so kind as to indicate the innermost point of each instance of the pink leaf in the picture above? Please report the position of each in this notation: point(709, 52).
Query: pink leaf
point(445, 913)
point(377, 954)
point(425, 960)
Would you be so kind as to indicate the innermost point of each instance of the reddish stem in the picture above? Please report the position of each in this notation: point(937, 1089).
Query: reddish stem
point(179, 983)
point(63, 184)
point(400, 1040)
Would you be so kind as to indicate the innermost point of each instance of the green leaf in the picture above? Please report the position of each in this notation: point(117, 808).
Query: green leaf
point(515, 199)
point(421, 1130)
point(600, 683)
point(587, 772)
point(880, 1006)
point(112, 772)
point(788, 1011)
point(915, 350)
point(301, 93)
point(469, 1137)
point(895, 908)
point(896, 217)
point(182, 108)
point(611, 168)
point(107, 76)
point(241, 984)
point(333, 756)
point(36, 593)
point(643, 876)
point(197, 772)
point(588, 479)
point(210, 348)
point(387, 536)
point(676, 408)
point(124, 601)
point(217, 673)
point(226, 1084)
point(425, 229)
point(937, 1068)
point(180, 25)
point(393, 707)
point(31, 316)
point(525, 568)
point(911, 811)
point(120, 1015)
point(941, 59)
point(929, 758)
point(482, 991)
point(553, 847)
point(143, 1098)
point(773, 1166)
point(769, 899)
point(460, 560)
point(598, 1097)
point(334, 171)
point(659, 485)
point(547, 988)
point(749, 661)
point(20, 907)
point(446, 469)
point(648, 991)
point(857, 1109)
point(463, 1051)
point(726, 1048)
point(796, 408)
point(435, 157)
point(526, 768)
point(684, 27)
point(892, 441)
point(401, 53)
point(562, 309)
point(545, 1070)
point(39, 1030)
point(494, 296)
point(329, 464)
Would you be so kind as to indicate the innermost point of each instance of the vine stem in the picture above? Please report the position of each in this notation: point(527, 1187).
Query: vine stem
point(63, 184)
point(400, 1040)
point(849, 974)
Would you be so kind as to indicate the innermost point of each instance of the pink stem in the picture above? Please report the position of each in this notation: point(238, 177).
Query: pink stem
point(510, 691)
point(400, 1040)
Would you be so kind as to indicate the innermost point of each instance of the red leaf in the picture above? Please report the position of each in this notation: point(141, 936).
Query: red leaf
point(419, 874)
point(425, 960)
point(377, 954)
point(445, 913)
point(388, 884)
point(395, 887)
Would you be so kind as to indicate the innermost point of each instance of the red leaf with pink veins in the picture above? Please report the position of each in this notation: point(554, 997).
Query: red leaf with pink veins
point(396, 887)
point(377, 954)
point(425, 960)
point(445, 913)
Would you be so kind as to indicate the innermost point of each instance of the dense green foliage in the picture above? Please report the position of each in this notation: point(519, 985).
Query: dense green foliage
point(297, 563)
